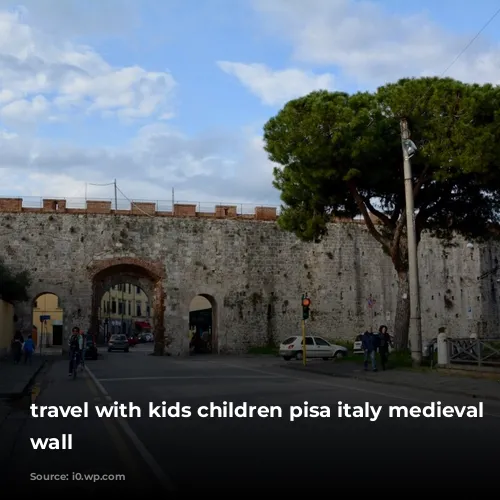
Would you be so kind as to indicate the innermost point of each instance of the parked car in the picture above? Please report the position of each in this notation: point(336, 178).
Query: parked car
point(428, 347)
point(146, 337)
point(133, 341)
point(91, 351)
point(118, 342)
point(316, 347)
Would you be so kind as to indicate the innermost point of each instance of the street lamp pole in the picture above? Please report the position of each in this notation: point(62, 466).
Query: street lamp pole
point(415, 315)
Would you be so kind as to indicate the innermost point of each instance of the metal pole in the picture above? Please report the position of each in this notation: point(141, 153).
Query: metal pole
point(116, 197)
point(304, 348)
point(123, 307)
point(173, 200)
point(85, 191)
point(415, 317)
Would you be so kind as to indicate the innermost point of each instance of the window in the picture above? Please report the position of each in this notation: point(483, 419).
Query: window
point(320, 341)
point(309, 341)
point(120, 307)
point(129, 308)
point(148, 310)
point(138, 290)
point(36, 304)
point(289, 340)
point(129, 288)
point(113, 306)
point(138, 309)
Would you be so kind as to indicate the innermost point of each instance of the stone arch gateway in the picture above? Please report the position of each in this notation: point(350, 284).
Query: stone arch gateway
point(149, 276)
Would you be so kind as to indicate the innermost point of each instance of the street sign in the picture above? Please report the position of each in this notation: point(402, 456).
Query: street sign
point(44, 317)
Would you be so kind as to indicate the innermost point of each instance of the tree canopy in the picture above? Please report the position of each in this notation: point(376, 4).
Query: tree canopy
point(13, 286)
point(340, 155)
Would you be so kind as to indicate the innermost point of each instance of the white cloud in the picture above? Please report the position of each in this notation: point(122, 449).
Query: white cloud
point(371, 46)
point(201, 169)
point(42, 76)
point(276, 87)
point(51, 78)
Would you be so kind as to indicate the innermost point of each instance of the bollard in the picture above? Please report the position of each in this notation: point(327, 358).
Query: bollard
point(442, 349)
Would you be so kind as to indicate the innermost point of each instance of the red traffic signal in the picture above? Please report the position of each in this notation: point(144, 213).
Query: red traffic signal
point(306, 302)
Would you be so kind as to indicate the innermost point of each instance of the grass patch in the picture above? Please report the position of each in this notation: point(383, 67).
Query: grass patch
point(397, 359)
point(264, 350)
point(343, 343)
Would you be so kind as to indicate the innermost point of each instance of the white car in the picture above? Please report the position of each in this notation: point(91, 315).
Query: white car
point(316, 347)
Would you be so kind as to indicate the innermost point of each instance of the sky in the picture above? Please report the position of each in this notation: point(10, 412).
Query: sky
point(173, 94)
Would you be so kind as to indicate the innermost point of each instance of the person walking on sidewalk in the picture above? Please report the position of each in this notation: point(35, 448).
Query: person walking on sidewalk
point(29, 349)
point(384, 343)
point(17, 347)
point(369, 346)
point(75, 349)
point(84, 348)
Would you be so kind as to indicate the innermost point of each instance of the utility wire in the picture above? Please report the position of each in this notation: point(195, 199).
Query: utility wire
point(132, 203)
point(459, 55)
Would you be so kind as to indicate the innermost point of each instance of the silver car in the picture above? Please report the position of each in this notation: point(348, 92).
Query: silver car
point(118, 342)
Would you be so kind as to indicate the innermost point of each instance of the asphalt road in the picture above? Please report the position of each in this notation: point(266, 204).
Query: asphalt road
point(185, 454)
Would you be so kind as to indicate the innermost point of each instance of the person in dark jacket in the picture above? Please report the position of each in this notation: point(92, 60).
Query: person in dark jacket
point(17, 347)
point(384, 343)
point(370, 347)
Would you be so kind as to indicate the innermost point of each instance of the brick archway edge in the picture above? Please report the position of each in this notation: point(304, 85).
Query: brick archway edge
point(153, 270)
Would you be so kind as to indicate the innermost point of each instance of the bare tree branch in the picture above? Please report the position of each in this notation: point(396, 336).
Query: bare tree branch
point(380, 215)
point(366, 216)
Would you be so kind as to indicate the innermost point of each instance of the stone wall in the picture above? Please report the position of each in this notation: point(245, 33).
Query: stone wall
point(6, 326)
point(253, 273)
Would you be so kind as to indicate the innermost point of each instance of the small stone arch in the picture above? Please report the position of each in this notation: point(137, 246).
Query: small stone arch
point(48, 332)
point(146, 275)
point(214, 326)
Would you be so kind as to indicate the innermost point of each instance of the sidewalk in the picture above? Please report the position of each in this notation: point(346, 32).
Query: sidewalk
point(425, 380)
point(15, 379)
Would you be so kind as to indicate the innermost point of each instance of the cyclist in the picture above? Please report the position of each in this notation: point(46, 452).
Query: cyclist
point(75, 347)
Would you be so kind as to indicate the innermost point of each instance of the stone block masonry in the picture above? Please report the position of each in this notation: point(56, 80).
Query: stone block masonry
point(253, 272)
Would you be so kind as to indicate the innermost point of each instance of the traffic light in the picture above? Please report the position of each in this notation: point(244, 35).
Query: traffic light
point(306, 303)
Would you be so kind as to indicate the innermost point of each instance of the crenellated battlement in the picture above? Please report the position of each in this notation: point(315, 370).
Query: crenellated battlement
point(139, 208)
point(143, 208)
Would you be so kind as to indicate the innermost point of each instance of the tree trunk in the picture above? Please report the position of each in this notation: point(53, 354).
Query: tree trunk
point(402, 320)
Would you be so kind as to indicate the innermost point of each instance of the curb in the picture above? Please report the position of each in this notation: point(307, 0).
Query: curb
point(23, 392)
point(399, 384)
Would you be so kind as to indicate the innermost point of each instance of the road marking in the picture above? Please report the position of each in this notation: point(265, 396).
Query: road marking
point(164, 480)
point(328, 383)
point(117, 438)
point(200, 377)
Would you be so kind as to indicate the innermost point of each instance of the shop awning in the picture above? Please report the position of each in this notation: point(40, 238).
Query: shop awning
point(143, 324)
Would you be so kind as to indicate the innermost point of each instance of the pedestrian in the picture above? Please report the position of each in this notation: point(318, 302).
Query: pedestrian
point(75, 349)
point(17, 347)
point(29, 349)
point(84, 348)
point(370, 348)
point(384, 343)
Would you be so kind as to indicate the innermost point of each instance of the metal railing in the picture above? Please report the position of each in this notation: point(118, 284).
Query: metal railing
point(161, 205)
point(471, 351)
